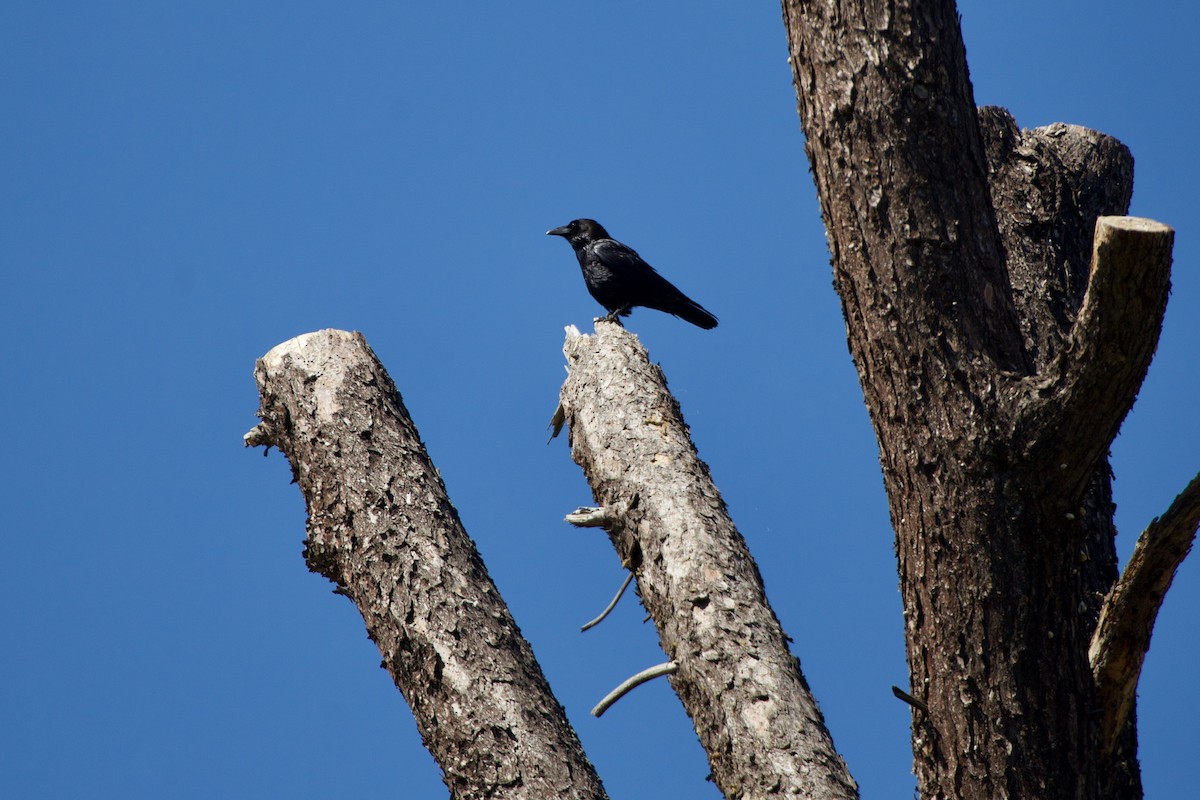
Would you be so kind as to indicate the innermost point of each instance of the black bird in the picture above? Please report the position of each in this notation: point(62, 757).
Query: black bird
point(619, 279)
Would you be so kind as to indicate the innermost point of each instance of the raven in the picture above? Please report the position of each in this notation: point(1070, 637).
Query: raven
point(619, 279)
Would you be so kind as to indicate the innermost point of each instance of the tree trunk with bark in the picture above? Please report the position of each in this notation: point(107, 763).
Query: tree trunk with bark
point(381, 527)
point(738, 681)
point(998, 353)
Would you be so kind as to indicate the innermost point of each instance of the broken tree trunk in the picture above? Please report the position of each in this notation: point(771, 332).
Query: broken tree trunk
point(742, 687)
point(381, 527)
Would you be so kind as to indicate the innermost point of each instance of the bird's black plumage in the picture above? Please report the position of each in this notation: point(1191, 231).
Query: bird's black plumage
point(620, 280)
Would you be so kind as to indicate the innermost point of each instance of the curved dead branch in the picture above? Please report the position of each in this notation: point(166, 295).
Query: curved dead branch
point(1127, 618)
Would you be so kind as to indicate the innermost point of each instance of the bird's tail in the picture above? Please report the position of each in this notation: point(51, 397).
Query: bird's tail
point(687, 309)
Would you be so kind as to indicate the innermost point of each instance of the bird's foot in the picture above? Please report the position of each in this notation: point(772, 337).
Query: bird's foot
point(614, 316)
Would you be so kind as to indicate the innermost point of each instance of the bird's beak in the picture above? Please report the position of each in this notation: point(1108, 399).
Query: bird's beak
point(557, 231)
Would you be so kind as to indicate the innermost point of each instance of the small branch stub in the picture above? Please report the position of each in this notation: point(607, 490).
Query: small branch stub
point(590, 517)
point(556, 423)
point(259, 436)
point(912, 701)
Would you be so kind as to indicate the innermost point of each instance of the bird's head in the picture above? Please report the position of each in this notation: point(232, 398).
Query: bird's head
point(580, 231)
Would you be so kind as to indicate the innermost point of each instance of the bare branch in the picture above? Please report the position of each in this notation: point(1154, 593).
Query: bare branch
point(741, 686)
point(587, 626)
point(382, 528)
point(631, 683)
point(1127, 618)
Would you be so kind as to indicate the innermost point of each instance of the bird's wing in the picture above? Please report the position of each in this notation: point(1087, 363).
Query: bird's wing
point(618, 278)
point(621, 260)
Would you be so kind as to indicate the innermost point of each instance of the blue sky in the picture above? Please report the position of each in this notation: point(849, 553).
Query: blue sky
point(185, 185)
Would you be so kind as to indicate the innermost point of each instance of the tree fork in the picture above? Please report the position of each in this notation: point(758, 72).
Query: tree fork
point(1084, 395)
point(982, 328)
point(1048, 186)
point(382, 528)
point(739, 683)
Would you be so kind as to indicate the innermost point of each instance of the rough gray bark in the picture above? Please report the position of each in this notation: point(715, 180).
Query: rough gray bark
point(381, 527)
point(998, 356)
point(739, 683)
